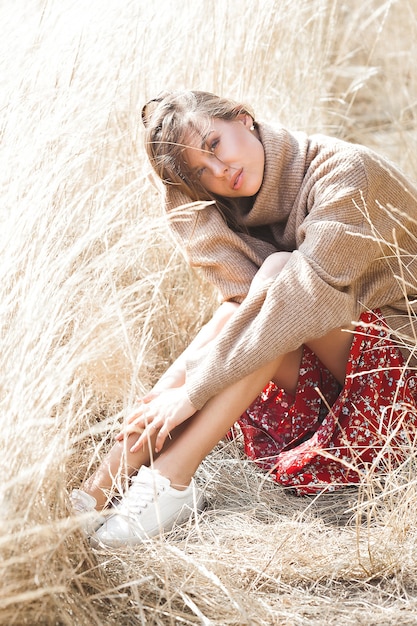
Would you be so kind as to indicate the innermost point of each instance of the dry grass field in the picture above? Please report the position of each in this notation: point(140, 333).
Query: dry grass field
point(96, 302)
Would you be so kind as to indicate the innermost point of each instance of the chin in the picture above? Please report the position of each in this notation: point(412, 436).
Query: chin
point(251, 191)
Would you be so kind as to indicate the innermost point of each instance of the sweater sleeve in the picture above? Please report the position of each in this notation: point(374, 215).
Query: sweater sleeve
point(316, 291)
point(228, 260)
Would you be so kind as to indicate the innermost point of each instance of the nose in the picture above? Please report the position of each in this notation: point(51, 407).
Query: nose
point(218, 168)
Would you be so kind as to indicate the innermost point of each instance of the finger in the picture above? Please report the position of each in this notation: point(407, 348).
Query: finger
point(139, 412)
point(126, 426)
point(147, 435)
point(144, 439)
point(130, 430)
point(149, 397)
point(143, 418)
point(161, 438)
point(133, 417)
point(126, 431)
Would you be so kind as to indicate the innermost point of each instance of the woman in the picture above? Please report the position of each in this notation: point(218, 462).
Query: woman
point(317, 361)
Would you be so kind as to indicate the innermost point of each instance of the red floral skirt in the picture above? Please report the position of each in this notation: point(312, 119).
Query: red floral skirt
point(327, 436)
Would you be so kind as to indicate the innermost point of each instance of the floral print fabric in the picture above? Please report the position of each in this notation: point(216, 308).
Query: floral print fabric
point(327, 436)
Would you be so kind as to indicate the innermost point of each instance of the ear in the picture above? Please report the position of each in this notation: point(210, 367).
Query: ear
point(245, 118)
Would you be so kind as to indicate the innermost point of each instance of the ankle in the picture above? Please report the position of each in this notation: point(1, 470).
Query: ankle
point(96, 493)
point(179, 486)
point(179, 480)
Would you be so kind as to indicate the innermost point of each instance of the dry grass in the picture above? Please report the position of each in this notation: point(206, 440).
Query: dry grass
point(96, 301)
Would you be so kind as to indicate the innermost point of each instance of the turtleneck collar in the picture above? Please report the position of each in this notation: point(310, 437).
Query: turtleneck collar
point(285, 166)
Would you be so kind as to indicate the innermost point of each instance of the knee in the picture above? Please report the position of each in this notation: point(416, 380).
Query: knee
point(274, 264)
point(270, 268)
point(223, 314)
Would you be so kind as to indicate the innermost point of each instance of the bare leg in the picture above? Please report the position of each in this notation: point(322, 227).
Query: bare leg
point(196, 438)
point(271, 267)
point(115, 467)
point(333, 351)
point(180, 461)
point(120, 463)
point(200, 434)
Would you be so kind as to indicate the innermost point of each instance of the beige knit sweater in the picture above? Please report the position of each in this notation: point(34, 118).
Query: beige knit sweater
point(345, 212)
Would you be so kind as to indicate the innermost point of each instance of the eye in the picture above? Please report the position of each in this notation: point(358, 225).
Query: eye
point(200, 172)
point(214, 144)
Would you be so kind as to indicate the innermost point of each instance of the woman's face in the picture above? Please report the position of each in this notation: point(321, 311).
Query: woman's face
point(229, 159)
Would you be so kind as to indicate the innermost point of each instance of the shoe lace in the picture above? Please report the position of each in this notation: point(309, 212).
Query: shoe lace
point(141, 494)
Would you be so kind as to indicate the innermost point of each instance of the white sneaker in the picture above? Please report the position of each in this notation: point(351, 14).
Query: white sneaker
point(84, 505)
point(150, 506)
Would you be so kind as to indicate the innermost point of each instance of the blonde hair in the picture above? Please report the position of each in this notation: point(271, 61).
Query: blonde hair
point(169, 120)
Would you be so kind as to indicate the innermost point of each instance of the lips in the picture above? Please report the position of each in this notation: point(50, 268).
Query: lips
point(237, 180)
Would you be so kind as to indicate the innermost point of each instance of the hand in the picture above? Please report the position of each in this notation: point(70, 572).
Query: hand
point(159, 412)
